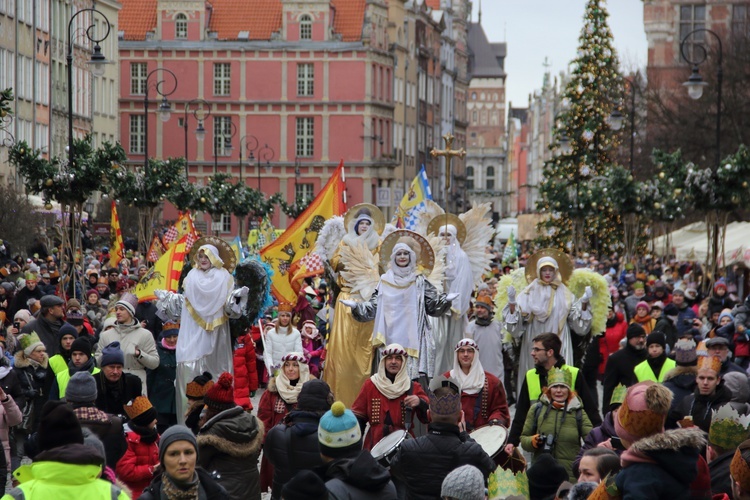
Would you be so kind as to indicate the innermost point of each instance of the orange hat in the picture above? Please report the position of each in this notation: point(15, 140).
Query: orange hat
point(140, 411)
point(285, 307)
point(709, 363)
point(199, 386)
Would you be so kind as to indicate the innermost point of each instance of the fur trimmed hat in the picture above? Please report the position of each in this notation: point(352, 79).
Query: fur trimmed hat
point(643, 411)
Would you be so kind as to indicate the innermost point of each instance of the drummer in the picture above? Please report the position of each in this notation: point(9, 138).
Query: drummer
point(389, 399)
point(482, 394)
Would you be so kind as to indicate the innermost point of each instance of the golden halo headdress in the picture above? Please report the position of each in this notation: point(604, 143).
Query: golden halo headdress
point(378, 221)
point(225, 251)
point(443, 220)
point(425, 253)
point(564, 265)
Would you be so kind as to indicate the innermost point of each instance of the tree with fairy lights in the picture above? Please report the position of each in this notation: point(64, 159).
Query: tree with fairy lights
point(574, 188)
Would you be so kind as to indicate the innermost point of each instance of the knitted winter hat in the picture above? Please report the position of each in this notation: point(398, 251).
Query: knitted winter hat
point(72, 304)
point(545, 476)
point(29, 342)
point(581, 491)
point(81, 344)
point(67, 329)
point(75, 317)
point(221, 396)
point(643, 412)
point(199, 386)
point(464, 483)
point(656, 338)
point(314, 396)
point(173, 434)
point(140, 411)
point(81, 388)
point(129, 302)
point(112, 355)
point(643, 304)
point(92, 291)
point(635, 330)
point(58, 426)
point(338, 432)
point(684, 353)
point(92, 441)
point(306, 485)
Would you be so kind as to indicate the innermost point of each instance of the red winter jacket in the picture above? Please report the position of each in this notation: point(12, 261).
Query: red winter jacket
point(136, 466)
point(610, 341)
point(245, 371)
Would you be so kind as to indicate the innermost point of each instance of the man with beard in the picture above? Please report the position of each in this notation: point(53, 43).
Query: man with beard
point(620, 365)
point(488, 334)
point(48, 324)
point(545, 352)
point(30, 291)
point(656, 366)
point(389, 399)
point(710, 394)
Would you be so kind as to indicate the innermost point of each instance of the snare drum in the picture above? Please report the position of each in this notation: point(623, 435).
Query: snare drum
point(386, 448)
point(491, 438)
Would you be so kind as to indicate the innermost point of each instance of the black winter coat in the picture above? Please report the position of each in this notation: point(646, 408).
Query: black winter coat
point(110, 398)
point(47, 331)
point(718, 468)
point(597, 435)
point(421, 464)
point(292, 446)
point(209, 485)
point(699, 407)
point(357, 478)
point(229, 447)
point(160, 382)
point(619, 370)
point(34, 382)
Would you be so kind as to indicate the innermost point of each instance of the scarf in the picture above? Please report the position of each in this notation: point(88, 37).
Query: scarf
point(392, 390)
point(643, 320)
point(147, 434)
point(88, 366)
point(172, 490)
point(657, 362)
point(483, 321)
point(472, 382)
point(165, 346)
point(289, 389)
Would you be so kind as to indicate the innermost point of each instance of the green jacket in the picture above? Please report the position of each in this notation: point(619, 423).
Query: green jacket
point(75, 475)
point(550, 421)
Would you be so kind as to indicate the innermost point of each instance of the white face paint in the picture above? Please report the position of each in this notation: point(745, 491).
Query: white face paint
point(402, 258)
point(547, 273)
point(203, 262)
point(446, 235)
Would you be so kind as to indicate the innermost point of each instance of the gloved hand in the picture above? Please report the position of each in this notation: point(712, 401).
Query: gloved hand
point(349, 303)
point(587, 294)
point(452, 296)
point(511, 294)
point(536, 440)
point(244, 291)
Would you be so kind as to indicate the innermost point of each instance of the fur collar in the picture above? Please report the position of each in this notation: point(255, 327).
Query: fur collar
point(21, 361)
point(681, 370)
point(231, 448)
point(674, 439)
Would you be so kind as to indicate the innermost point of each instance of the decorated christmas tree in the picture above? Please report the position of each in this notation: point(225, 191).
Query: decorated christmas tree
point(573, 192)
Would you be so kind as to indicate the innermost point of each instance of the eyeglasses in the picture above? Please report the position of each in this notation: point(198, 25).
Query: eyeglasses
point(537, 349)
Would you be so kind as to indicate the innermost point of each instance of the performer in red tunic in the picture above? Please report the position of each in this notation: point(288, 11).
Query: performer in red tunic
point(389, 399)
point(482, 394)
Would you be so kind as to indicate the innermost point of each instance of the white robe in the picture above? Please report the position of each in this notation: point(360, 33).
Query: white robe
point(489, 339)
point(566, 314)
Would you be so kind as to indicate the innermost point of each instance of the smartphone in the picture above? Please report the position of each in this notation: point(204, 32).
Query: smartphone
point(17, 325)
point(616, 443)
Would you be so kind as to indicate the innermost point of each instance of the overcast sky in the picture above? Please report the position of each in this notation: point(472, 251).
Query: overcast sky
point(535, 29)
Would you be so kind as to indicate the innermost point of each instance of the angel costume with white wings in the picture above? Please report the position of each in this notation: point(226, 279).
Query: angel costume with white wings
point(546, 308)
point(204, 310)
point(400, 305)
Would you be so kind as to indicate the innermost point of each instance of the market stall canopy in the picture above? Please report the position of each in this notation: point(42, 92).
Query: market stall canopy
point(39, 203)
point(691, 243)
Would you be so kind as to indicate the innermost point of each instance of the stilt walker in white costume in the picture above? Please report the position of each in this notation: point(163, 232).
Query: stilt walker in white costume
point(204, 308)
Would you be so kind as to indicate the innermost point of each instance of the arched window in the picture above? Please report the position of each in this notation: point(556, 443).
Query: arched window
point(305, 27)
point(473, 96)
point(489, 179)
point(470, 178)
point(180, 26)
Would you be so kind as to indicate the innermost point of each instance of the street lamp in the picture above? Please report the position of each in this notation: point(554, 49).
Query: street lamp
point(97, 61)
point(248, 140)
point(266, 154)
point(200, 114)
point(223, 139)
point(165, 110)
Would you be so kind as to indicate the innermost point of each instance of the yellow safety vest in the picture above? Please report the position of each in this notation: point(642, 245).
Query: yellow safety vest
point(535, 386)
point(58, 364)
point(644, 372)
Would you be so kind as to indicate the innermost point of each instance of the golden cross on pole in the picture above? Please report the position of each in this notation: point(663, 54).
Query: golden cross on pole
point(448, 153)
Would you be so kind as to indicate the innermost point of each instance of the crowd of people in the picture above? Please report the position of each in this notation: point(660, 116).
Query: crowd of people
point(395, 376)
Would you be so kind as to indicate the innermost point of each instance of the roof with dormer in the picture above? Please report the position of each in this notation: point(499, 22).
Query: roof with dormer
point(228, 18)
point(485, 56)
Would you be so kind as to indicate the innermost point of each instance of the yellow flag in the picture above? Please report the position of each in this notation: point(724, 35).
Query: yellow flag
point(165, 275)
point(116, 252)
point(183, 227)
point(300, 237)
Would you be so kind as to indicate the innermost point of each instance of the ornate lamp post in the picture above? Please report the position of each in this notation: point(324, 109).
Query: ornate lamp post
point(165, 109)
point(200, 114)
point(223, 139)
point(251, 144)
point(266, 154)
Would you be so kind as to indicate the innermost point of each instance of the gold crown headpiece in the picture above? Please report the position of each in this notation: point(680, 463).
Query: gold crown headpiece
point(728, 429)
point(557, 376)
point(709, 363)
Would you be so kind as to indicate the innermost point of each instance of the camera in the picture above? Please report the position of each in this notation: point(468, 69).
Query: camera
point(548, 442)
point(17, 325)
point(687, 321)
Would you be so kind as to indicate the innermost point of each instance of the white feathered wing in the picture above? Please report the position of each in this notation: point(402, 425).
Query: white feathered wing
point(360, 269)
point(478, 236)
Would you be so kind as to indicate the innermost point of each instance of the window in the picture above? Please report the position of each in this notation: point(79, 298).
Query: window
point(474, 117)
point(222, 135)
point(692, 17)
point(489, 181)
point(180, 26)
point(222, 78)
point(304, 191)
point(138, 73)
point(305, 137)
point(226, 223)
point(137, 134)
point(470, 178)
point(473, 96)
point(305, 79)
point(741, 20)
point(305, 27)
